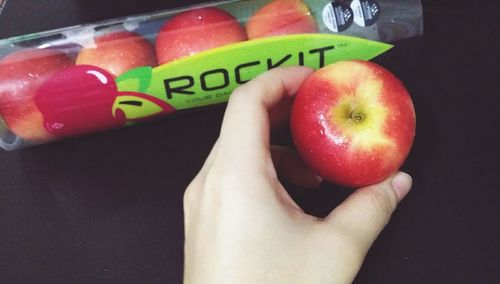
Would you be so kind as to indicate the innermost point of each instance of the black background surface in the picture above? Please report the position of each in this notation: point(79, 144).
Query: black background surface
point(108, 208)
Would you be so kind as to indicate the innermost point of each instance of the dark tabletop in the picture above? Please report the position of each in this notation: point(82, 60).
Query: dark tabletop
point(108, 208)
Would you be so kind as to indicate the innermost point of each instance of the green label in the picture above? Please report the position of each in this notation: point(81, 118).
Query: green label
point(209, 77)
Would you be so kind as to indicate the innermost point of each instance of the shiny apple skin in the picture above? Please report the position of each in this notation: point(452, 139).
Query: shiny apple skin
point(333, 144)
point(21, 74)
point(197, 30)
point(281, 17)
point(118, 52)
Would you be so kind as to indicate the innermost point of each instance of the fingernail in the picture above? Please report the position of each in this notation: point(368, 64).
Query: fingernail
point(401, 184)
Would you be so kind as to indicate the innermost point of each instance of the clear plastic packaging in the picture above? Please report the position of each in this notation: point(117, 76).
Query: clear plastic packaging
point(91, 78)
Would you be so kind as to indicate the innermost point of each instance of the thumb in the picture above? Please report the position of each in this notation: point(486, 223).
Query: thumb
point(367, 211)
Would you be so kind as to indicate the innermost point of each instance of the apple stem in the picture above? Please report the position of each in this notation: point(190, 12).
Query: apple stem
point(357, 116)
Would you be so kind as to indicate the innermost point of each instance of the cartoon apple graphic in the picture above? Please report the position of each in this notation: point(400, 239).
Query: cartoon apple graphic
point(281, 17)
point(197, 30)
point(137, 107)
point(21, 74)
point(118, 52)
point(84, 99)
point(78, 100)
point(353, 122)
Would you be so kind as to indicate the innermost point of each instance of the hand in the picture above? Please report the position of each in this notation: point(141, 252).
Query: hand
point(241, 226)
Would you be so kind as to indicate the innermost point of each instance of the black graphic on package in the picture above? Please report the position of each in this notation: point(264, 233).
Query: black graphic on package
point(366, 12)
point(338, 16)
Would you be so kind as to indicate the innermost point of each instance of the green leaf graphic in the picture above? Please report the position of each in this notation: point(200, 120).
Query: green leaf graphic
point(135, 80)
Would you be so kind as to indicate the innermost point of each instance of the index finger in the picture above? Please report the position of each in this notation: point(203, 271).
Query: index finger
point(245, 129)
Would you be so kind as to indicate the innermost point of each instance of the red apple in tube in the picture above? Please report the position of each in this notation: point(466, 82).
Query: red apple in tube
point(197, 30)
point(118, 52)
point(281, 17)
point(21, 74)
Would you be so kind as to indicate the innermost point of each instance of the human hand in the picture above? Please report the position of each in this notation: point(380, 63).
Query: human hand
point(241, 226)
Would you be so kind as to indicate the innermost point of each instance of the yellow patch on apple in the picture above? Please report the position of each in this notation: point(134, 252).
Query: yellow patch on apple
point(360, 116)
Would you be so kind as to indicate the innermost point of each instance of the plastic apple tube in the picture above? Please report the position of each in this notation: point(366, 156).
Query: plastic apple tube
point(91, 78)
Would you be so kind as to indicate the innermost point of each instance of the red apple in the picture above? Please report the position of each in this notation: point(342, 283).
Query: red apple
point(21, 74)
point(281, 17)
point(79, 100)
point(118, 52)
point(353, 122)
point(197, 30)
